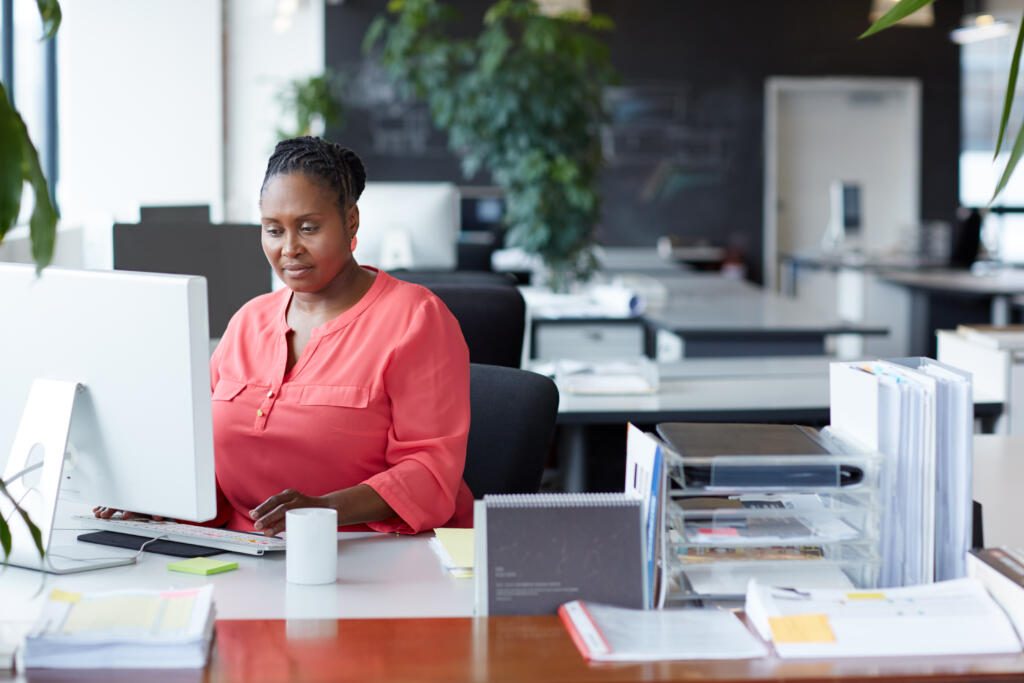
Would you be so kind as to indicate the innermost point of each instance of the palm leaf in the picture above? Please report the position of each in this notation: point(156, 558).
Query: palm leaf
point(1011, 88)
point(900, 11)
point(43, 222)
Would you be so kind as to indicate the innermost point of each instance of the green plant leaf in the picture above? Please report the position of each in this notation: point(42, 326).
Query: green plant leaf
point(901, 10)
point(49, 12)
point(12, 177)
point(1011, 88)
point(43, 222)
point(1011, 163)
point(37, 536)
point(5, 537)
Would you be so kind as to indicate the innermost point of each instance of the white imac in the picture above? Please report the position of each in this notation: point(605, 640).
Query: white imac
point(106, 384)
point(408, 225)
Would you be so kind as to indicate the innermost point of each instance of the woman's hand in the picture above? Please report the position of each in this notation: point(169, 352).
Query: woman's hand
point(269, 515)
point(107, 513)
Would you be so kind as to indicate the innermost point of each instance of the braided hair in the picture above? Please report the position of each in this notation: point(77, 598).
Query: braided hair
point(337, 167)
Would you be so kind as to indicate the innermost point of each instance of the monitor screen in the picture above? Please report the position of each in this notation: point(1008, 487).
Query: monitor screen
point(141, 433)
point(408, 225)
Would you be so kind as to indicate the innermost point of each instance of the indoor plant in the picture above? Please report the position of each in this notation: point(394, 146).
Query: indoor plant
point(311, 106)
point(521, 100)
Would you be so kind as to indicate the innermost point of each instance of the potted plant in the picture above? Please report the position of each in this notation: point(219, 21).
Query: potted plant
point(522, 100)
point(309, 104)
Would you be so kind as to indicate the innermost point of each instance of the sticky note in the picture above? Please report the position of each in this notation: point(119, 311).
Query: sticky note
point(57, 595)
point(459, 544)
point(802, 628)
point(202, 566)
point(865, 596)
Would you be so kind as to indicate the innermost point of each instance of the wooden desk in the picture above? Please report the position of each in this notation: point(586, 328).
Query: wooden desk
point(534, 649)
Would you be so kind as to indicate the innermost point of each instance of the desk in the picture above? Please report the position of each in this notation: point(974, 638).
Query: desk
point(513, 649)
point(721, 317)
point(380, 575)
point(998, 288)
point(267, 631)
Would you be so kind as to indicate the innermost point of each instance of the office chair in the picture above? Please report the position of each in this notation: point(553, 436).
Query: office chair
point(429, 278)
point(492, 319)
point(510, 432)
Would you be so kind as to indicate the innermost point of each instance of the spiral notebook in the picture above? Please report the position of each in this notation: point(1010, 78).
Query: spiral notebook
point(535, 552)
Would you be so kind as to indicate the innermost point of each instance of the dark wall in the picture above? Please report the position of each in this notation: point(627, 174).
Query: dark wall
point(685, 144)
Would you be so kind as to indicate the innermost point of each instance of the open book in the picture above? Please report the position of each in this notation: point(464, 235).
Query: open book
point(945, 618)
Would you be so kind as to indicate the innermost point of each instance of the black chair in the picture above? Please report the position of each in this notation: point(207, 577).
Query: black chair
point(512, 424)
point(492, 319)
point(429, 278)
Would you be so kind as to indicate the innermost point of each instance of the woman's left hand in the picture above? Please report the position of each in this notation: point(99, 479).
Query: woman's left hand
point(269, 515)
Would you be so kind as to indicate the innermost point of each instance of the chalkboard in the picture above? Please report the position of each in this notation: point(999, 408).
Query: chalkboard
point(684, 141)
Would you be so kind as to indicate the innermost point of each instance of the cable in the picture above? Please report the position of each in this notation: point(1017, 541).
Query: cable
point(134, 558)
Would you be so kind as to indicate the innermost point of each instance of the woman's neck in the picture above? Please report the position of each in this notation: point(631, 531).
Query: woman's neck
point(347, 288)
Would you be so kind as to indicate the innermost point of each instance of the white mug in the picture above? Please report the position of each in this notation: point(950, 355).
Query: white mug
point(312, 545)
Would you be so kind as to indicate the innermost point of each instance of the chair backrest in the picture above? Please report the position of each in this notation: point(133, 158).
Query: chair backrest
point(492, 319)
point(511, 427)
point(429, 278)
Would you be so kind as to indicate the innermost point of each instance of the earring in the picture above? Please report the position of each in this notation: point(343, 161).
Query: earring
point(352, 247)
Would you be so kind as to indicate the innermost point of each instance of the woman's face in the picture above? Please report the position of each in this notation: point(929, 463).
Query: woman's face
point(305, 235)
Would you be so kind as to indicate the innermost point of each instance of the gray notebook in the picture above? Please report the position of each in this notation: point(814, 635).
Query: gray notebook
point(536, 552)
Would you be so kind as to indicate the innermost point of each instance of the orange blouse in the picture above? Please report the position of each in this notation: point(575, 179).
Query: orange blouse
point(379, 396)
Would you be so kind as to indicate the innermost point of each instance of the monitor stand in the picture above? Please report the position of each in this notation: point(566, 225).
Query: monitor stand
point(33, 477)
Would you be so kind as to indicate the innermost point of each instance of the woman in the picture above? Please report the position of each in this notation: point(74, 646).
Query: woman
point(347, 388)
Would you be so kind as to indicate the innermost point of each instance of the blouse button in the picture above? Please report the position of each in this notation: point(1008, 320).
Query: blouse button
point(259, 412)
point(270, 394)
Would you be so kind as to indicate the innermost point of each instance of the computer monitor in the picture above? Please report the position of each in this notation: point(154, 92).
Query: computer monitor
point(141, 432)
point(408, 225)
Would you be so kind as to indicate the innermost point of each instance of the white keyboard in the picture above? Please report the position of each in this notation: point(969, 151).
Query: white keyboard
point(222, 539)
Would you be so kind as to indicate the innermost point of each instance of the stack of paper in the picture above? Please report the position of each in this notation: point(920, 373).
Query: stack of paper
point(132, 629)
point(919, 414)
point(615, 634)
point(455, 549)
point(946, 618)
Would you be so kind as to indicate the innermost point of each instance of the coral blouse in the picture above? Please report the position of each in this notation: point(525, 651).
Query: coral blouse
point(379, 396)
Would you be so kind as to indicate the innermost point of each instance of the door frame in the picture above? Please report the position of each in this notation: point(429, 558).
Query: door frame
point(775, 88)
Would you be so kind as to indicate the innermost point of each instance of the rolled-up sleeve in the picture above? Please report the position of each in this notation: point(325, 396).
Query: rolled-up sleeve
point(427, 382)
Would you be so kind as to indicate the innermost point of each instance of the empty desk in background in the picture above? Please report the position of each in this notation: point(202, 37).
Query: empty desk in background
point(932, 291)
point(719, 317)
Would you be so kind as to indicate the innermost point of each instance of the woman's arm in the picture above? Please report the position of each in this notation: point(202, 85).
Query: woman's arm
point(355, 505)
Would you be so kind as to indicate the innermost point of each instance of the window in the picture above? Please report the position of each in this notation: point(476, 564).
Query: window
point(27, 67)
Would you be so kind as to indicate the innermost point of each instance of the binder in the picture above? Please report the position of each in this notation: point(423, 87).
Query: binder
point(536, 552)
point(919, 413)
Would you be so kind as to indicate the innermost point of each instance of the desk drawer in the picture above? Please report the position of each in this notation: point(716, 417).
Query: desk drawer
point(553, 340)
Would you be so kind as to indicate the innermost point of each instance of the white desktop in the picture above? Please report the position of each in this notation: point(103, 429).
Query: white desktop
point(408, 225)
point(111, 369)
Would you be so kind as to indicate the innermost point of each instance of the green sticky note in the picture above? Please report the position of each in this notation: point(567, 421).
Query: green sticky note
point(203, 566)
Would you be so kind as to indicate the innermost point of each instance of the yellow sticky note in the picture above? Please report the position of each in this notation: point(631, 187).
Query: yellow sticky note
point(865, 596)
point(459, 544)
point(57, 595)
point(802, 628)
